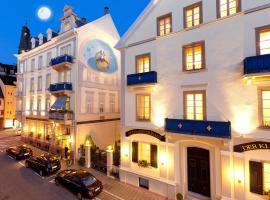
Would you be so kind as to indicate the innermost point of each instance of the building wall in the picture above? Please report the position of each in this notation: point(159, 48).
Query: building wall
point(229, 97)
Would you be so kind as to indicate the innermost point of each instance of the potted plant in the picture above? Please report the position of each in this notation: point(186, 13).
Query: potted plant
point(31, 134)
point(179, 196)
point(143, 163)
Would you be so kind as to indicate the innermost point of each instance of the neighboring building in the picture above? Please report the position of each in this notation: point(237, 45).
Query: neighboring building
point(195, 96)
point(69, 84)
point(8, 103)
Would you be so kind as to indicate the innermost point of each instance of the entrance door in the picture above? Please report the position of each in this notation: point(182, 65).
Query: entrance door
point(198, 171)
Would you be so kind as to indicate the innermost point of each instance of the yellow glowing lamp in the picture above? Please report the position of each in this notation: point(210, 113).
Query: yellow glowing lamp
point(125, 151)
point(163, 159)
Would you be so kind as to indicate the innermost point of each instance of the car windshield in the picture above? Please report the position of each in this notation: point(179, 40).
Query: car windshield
point(88, 180)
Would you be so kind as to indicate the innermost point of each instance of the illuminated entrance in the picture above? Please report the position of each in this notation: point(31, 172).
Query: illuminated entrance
point(198, 171)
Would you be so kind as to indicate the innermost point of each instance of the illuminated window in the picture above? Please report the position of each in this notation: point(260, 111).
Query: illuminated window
point(144, 152)
point(32, 64)
point(193, 15)
point(65, 50)
point(48, 80)
point(263, 40)
point(101, 102)
point(143, 107)
point(67, 25)
point(266, 177)
point(49, 58)
point(228, 7)
point(194, 105)
point(193, 57)
point(143, 63)
point(112, 103)
point(89, 102)
point(40, 62)
point(164, 25)
point(266, 108)
point(39, 83)
point(32, 85)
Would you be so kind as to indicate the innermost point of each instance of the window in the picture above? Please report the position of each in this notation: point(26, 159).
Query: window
point(264, 107)
point(39, 104)
point(39, 83)
point(67, 25)
point(89, 102)
point(40, 62)
point(112, 103)
point(48, 104)
point(143, 107)
point(31, 104)
point(193, 15)
point(194, 56)
point(32, 84)
point(259, 175)
point(143, 63)
point(32, 64)
point(195, 105)
point(101, 102)
point(49, 58)
point(67, 104)
point(65, 50)
point(228, 7)
point(64, 76)
point(263, 40)
point(164, 25)
point(145, 152)
point(48, 81)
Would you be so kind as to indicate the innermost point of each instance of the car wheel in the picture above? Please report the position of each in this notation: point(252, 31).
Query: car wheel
point(41, 173)
point(56, 182)
point(26, 164)
point(79, 196)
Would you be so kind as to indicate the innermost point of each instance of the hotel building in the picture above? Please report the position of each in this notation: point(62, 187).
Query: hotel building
point(68, 85)
point(196, 99)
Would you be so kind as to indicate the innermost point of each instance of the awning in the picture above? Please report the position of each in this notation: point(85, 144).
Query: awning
point(60, 103)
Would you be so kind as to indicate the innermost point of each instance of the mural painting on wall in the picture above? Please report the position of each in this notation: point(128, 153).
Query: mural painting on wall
point(100, 56)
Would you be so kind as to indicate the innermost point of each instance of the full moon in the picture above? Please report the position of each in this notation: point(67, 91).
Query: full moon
point(44, 13)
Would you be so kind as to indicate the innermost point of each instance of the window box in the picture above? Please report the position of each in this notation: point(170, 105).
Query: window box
point(143, 163)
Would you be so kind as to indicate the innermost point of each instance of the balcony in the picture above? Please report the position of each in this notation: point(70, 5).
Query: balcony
point(61, 88)
point(56, 115)
point(199, 128)
point(146, 78)
point(257, 66)
point(61, 63)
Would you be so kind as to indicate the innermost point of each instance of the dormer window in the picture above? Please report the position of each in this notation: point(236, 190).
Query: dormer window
point(34, 43)
point(49, 34)
point(40, 38)
point(67, 25)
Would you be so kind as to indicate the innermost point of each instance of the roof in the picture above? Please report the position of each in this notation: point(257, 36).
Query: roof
point(122, 42)
point(8, 80)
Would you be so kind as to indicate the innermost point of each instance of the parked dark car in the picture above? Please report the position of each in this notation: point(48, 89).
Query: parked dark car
point(19, 152)
point(44, 164)
point(80, 182)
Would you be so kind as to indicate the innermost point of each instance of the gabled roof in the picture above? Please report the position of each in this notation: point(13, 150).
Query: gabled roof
point(122, 42)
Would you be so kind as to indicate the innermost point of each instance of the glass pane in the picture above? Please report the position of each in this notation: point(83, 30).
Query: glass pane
point(145, 152)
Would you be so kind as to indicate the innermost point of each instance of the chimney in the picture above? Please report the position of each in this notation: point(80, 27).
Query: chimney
point(25, 41)
point(106, 10)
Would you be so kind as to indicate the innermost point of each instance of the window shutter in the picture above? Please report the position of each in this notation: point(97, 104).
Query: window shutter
point(135, 152)
point(256, 177)
point(154, 156)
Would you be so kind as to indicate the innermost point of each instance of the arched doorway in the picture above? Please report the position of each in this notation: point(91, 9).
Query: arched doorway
point(198, 165)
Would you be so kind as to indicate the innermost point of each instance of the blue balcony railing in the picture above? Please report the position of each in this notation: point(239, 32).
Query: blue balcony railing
point(257, 64)
point(61, 59)
point(199, 128)
point(60, 87)
point(142, 78)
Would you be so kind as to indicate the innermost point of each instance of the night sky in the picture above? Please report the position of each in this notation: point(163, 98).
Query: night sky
point(14, 13)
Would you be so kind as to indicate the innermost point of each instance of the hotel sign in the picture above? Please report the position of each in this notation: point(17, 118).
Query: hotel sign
point(146, 132)
point(251, 146)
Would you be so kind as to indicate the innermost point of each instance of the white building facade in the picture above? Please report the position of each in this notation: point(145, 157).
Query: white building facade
point(195, 99)
point(69, 85)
